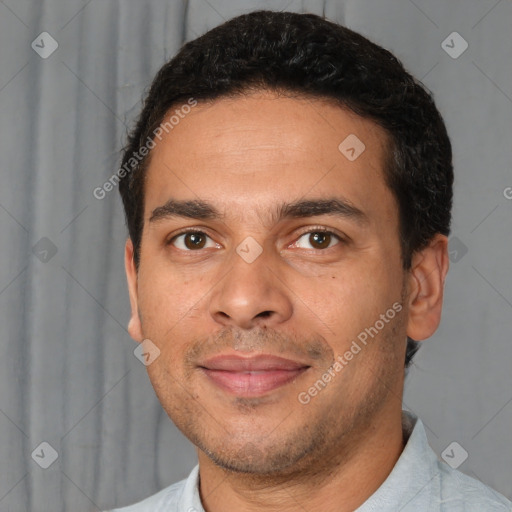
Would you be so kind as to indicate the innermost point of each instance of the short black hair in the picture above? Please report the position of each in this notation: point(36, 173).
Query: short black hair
point(309, 56)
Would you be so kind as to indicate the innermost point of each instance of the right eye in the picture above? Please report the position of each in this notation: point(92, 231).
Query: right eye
point(190, 240)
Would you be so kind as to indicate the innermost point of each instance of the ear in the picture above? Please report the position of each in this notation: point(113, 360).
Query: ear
point(134, 325)
point(426, 286)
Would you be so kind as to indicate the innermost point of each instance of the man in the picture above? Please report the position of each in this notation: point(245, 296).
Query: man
point(288, 191)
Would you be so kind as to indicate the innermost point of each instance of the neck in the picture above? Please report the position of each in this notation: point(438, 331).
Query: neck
point(338, 481)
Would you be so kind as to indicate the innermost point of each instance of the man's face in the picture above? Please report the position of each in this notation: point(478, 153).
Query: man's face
point(252, 286)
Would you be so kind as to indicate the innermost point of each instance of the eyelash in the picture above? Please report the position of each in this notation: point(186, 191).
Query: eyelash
point(309, 231)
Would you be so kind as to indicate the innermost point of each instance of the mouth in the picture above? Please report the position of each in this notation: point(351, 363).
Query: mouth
point(251, 376)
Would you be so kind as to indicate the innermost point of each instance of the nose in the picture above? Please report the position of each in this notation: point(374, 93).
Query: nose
point(251, 294)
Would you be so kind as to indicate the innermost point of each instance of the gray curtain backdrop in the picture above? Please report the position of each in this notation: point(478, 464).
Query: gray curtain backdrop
point(72, 76)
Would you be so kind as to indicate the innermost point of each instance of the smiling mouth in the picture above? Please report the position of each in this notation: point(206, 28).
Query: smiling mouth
point(251, 376)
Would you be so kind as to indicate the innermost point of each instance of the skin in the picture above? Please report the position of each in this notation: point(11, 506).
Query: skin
point(299, 299)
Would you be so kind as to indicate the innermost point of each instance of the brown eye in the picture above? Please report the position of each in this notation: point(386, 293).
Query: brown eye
point(190, 240)
point(194, 240)
point(318, 240)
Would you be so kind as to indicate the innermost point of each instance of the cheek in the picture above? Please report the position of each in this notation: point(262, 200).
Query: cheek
point(172, 309)
point(351, 299)
point(164, 303)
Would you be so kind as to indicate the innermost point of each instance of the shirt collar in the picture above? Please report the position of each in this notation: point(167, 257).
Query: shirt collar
point(412, 474)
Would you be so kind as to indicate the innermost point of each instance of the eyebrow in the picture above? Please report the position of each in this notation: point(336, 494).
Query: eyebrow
point(202, 210)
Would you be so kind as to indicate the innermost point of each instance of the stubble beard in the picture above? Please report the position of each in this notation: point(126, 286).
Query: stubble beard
point(305, 452)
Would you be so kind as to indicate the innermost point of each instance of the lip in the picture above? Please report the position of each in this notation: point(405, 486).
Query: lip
point(251, 376)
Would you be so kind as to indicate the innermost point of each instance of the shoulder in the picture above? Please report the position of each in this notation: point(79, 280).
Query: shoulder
point(168, 498)
point(457, 488)
point(432, 484)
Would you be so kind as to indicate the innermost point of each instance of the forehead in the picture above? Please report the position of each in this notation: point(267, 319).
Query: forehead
point(248, 152)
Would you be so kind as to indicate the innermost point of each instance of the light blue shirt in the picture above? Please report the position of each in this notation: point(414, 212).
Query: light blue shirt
point(419, 482)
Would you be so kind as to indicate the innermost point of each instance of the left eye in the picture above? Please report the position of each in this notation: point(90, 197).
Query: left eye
point(318, 239)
